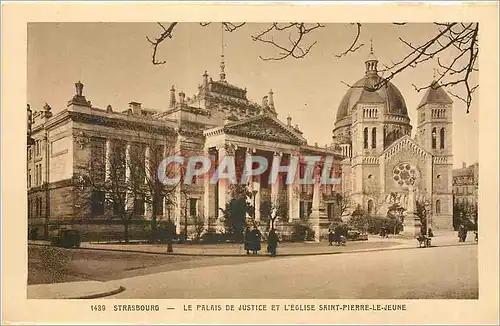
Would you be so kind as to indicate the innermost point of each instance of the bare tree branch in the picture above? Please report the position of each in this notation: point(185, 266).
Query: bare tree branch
point(167, 33)
point(354, 47)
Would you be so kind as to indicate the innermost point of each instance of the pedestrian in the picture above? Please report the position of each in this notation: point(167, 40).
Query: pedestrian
point(331, 237)
point(247, 240)
point(431, 234)
point(272, 243)
point(338, 234)
point(256, 237)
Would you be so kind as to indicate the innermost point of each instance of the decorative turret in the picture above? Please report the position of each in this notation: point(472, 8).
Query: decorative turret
point(78, 98)
point(182, 98)
point(172, 96)
point(205, 80)
point(289, 121)
point(371, 62)
point(271, 99)
point(222, 73)
point(265, 101)
point(47, 111)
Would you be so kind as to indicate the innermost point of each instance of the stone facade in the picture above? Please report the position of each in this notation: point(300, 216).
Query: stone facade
point(465, 184)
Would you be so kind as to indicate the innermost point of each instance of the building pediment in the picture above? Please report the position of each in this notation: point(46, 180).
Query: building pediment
point(264, 127)
point(406, 144)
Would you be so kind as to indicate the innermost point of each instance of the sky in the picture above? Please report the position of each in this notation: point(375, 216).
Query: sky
point(113, 61)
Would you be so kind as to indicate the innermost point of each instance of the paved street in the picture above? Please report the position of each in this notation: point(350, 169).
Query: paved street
point(55, 265)
point(440, 272)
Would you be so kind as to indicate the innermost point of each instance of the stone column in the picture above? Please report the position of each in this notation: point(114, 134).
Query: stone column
point(178, 209)
point(315, 207)
point(275, 186)
point(165, 206)
point(147, 176)
point(221, 190)
point(129, 201)
point(256, 186)
point(206, 194)
point(108, 159)
point(292, 195)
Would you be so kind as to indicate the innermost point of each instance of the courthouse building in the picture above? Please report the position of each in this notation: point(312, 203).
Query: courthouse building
point(218, 120)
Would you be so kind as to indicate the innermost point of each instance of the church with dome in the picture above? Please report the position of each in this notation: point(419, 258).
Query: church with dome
point(382, 162)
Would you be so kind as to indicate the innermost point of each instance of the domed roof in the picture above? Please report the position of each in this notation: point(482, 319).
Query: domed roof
point(363, 92)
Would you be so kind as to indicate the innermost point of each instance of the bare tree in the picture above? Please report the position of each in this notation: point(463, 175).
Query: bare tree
point(454, 49)
point(344, 203)
point(147, 155)
point(275, 208)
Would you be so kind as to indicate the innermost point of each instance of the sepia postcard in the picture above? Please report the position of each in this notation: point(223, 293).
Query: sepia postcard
point(267, 163)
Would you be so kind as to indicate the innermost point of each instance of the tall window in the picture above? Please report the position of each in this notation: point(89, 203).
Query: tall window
point(438, 206)
point(365, 138)
point(193, 203)
point(117, 161)
point(139, 206)
point(370, 206)
point(97, 203)
point(29, 178)
point(98, 165)
point(374, 138)
point(433, 138)
point(159, 205)
point(441, 138)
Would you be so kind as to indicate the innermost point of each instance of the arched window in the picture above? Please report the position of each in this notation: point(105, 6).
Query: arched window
point(441, 138)
point(433, 138)
point(370, 206)
point(374, 138)
point(365, 137)
point(438, 206)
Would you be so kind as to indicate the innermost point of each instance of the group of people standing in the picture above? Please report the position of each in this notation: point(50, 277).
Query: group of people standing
point(338, 235)
point(253, 238)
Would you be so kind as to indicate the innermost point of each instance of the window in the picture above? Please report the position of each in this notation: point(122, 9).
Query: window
point(159, 205)
point(374, 138)
point(438, 206)
point(97, 153)
point(117, 161)
point(193, 206)
point(305, 209)
point(441, 138)
point(365, 138)
point(30, 153)
point(433, 138)
point(370, 206)
point(29, 178)
point(97, 203)
point(139, 206)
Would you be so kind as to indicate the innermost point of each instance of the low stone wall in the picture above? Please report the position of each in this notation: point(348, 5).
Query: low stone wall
point(98, 231)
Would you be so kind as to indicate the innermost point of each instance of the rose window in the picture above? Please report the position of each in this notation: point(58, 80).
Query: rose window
point(405, 174)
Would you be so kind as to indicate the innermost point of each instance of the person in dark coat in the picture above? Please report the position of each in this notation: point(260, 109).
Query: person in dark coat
point(256, 237)
point(331, 237)
point(338, 234)
point(247, 240)
point(272, 243)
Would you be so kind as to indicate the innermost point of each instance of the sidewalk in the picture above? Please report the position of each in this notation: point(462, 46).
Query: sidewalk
point(94, 289)
point(374, 243)
point(73, 290)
